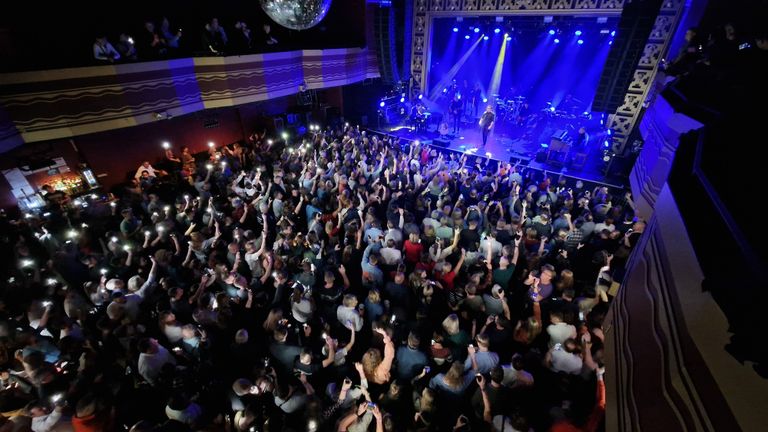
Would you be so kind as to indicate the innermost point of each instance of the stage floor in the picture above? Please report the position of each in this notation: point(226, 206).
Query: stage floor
point(513, 142)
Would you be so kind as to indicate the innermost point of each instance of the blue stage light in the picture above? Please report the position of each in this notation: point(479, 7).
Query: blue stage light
point(610, 42)
point(552, 109)
point(485, 100)
point(609, 132)
point(497, 30)
point(578, 33)
point(552, 32)
point(402, 99)
point(466, 37)
point(421, 96)
point(557, 40)
point(445, 90)
point(580, 42)
point(485, 37)
point(613, 33)
point(477, 29)
point(381, 104)
point(509, 38)
point(606, 144)
point(455, 29)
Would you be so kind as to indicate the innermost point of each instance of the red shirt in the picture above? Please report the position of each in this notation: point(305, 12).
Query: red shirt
point(426, 266)
point(412, 251)
point(447, 280)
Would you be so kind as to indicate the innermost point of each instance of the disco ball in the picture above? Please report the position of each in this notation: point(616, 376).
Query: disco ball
point(296, 14)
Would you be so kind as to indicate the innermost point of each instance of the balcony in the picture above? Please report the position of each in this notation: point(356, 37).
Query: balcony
point(61, 103)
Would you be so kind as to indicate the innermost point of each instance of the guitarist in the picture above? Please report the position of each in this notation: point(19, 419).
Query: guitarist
point(455, 110)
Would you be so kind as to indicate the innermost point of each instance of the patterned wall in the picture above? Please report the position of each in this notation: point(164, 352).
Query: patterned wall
point(665, 338)
point(625, 117)
point(61, 103)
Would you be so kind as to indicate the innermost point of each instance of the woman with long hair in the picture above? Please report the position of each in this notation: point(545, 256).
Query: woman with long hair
point(375, 368)
point(273, 320)
point(529, 329)
point(565, 282)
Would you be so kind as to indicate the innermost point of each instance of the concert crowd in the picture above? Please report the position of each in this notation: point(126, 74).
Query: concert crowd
point(335, 281)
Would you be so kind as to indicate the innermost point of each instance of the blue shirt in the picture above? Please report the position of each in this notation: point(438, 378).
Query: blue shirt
point(372, 234)
point(373, 311)
point(370, 271)
point(410, 362)
point(311, 210)
point(486, 360)
point(437, 383)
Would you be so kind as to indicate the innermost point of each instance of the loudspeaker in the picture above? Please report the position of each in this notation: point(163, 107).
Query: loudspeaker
point(384, 33)
point(635, 25)
point(441, 143)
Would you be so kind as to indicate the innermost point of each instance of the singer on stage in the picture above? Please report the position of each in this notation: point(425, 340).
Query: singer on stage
point(486, 122)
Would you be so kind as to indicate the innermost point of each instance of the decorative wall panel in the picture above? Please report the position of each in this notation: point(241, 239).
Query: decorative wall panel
point(640, 90)
point(68, 102)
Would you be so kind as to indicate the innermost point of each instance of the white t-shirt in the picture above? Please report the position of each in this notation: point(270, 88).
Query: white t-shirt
point(150, 365)
point(563, 361)
point(559, 332)
point(344, 314)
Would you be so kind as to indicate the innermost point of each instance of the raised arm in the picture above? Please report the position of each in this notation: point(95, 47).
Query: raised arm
point(343, 273)
point(516, 253)
point(331, 352)
point(267, 271)
point(461, 261)
point(389, 353)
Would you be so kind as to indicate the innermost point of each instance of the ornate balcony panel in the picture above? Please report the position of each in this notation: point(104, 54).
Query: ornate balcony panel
point(62, 103)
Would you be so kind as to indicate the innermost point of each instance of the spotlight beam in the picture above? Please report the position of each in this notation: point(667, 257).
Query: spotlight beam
point(496, 78)
point(448, 77)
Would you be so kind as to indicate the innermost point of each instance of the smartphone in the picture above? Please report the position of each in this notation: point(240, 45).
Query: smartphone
point(371, 406)
point(581, 316)
point(426, 369)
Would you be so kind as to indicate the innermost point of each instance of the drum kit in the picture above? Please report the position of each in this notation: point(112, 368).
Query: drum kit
point(508, 110)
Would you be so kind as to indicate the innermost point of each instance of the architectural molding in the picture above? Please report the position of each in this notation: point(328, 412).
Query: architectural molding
point(53, 104)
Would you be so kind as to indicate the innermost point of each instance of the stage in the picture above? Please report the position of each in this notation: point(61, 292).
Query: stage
point(513, 141)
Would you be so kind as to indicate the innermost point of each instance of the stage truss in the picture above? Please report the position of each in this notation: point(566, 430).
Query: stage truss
point(640, 89)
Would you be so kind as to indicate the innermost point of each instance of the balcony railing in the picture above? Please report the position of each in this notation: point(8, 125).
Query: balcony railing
point(52, 104)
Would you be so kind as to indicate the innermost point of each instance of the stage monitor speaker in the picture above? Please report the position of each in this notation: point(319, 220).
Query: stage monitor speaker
point(635, 25)
point(384, 33)
point(444, 143)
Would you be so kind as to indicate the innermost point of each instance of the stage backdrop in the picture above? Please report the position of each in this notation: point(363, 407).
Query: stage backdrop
point(541, 66)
